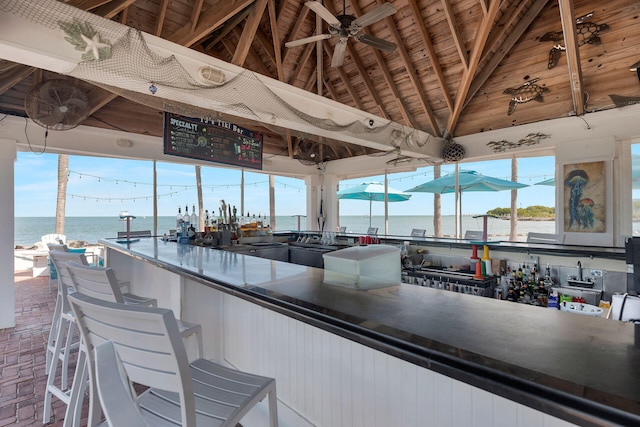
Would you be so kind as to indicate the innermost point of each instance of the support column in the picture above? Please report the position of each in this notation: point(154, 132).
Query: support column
point(7, 302)
point(322, 189)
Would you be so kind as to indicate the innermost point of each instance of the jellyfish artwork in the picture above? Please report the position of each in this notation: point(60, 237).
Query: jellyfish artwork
point(586, 212)
point(576, 180)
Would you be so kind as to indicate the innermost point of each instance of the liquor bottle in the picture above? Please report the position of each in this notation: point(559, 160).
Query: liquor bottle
point(207, 222)
point(194, 218)
point(179, 219)
point(254, 223)
point(186, 218)
point(259, 222)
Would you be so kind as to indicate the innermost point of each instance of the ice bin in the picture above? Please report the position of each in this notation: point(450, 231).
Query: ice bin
point(363, 267)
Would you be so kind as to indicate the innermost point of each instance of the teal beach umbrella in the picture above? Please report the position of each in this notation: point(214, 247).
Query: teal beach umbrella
point(373, 192)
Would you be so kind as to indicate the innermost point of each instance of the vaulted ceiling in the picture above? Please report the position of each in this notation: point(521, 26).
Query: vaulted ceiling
point(461, 67)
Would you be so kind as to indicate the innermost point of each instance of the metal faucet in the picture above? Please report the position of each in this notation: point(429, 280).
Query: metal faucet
point(579, 271)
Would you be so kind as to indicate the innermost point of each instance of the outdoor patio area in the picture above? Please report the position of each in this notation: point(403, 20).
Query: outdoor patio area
point(22, 363)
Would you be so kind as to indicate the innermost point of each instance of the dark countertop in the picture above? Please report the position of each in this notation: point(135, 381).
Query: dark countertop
point(583, 369)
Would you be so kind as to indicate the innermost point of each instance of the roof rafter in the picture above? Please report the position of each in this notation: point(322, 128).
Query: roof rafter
point(248, 33)
point(435, 63)
point(306, 54)
point(505, 46)
point(295, 31)
point(161, 16)
point(195, 13)
point(277, 48)
point(457, 39)
point(413, 76)
point(111, 9)
point(209, 21)
point(14, 76)
point(228, 27)
point(476, 53)
point(345, 79)
point(567, 16)
point(408, 118)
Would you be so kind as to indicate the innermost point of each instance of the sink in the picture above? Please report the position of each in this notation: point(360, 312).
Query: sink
point(580, 283)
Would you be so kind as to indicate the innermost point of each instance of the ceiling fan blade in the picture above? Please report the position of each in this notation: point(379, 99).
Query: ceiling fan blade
point(338, 54)
point(375, 15)
point(307, 40)
point(377, 42)
point(322, 11)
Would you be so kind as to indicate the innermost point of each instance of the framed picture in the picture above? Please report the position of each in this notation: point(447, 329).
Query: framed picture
point(585, 197)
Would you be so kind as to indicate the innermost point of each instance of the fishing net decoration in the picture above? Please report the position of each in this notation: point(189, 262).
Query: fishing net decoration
point(133, 67)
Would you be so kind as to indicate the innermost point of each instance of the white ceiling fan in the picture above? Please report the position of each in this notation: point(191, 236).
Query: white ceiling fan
point(346, 26)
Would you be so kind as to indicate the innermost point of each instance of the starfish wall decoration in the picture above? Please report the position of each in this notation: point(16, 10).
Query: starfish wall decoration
point(83, 37)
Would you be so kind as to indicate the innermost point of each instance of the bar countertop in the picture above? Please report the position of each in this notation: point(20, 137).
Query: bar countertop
point(579, 368)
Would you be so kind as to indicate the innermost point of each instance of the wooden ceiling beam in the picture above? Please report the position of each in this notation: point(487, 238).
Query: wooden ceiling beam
point(111, 9)
point(457, 38)
point(295, 31)
point(505, 47)
point(362, 71)
point(14, 76)
point(345, 79)
point(248, 33)
point(306, 54)
point(87, 4)
point(195, 14)
point(259, 65)
point(311, 82)
point(228, 27)
point(481, 37)
point(275, 36)
point(267, 45)
point(435, 63)
point(407, 117)
point(567, 15)
point(209, 21)
point(413, 76)
point(162, 13)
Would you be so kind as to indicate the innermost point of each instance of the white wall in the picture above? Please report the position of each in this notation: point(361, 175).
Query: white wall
point(7, 301)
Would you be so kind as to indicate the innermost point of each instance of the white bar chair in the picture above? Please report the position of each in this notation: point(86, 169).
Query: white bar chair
point(101, 283)
point(59, 346)
point(148, 342)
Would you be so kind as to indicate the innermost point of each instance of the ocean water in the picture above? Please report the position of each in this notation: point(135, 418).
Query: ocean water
point(28, 230)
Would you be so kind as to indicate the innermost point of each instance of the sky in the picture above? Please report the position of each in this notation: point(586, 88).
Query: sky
point(105, 187)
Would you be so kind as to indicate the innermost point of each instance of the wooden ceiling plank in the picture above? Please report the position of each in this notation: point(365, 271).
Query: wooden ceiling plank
point(476, 53)
point(362, 71)
point(413, 76)
point(111, 9)
point(267, 45)
point(567, 15)
point(505, 47)
point(209, 21)
point(162, 13)
point(311, 82)
point(435, 63)
point(88, 4)
point(258, 65)
point(306, 54)
point(345, 79)
point(457, 39)
point(195, 14)
point(407, 117)
point(295, 32)
point(14, 76)
point(248, 33)
point(485, 7)
point(275, 36)
point(228, 27)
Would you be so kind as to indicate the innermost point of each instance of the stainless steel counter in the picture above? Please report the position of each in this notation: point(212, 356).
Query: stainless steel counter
point(585, 370)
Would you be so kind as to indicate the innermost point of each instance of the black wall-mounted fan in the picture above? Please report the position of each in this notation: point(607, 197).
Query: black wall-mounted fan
point(348, 26)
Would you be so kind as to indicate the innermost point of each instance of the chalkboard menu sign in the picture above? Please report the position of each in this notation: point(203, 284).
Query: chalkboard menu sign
point(214, 140)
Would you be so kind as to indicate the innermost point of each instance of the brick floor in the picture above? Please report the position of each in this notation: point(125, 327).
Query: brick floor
point(22, 360)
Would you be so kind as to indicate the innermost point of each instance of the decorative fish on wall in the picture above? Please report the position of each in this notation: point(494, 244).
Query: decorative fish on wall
point(529, 91)
point(586, 32)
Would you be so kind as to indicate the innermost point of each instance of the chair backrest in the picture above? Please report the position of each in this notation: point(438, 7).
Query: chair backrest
point(543, 238)
point(418, 232)
point(60, 260)
point(372, 231)
point(473, 235)
point(148, 343)
point(98, 282)
point(54, 238)
point(115, 390)
point(58, 247)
